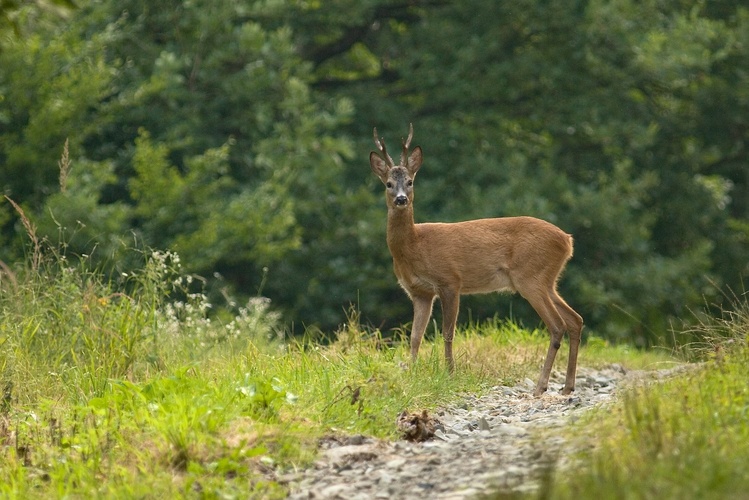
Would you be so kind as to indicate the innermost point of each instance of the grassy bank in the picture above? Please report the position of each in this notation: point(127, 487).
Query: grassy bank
point(128, 388)
point(687, 437)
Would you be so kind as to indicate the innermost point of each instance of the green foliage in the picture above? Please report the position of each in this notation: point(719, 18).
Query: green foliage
point(10, 10)
point(237, 135)
point(77, 219)
point(204, 214)
point(51, 82)
point(205, 139)
point(594, 116)
point(686, 437)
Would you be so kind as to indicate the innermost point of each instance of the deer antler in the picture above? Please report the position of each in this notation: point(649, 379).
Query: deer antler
point(380, 143)
point(406, 144)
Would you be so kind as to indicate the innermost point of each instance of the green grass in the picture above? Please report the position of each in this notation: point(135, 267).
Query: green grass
point(599, 353)
point(127, 388)
point(687, 437)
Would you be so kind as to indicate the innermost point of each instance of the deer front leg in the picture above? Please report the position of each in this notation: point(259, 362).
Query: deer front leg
point(450, 305)
point(422, 313)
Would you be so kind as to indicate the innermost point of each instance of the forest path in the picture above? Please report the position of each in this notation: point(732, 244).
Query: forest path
point(503, 441)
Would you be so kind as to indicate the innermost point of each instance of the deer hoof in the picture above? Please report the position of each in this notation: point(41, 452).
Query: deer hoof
point(539, 391)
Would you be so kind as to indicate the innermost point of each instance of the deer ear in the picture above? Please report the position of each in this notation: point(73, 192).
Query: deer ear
point(378, 165)
point(414, 161)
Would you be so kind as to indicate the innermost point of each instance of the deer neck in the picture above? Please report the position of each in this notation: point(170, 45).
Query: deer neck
point(401, 231)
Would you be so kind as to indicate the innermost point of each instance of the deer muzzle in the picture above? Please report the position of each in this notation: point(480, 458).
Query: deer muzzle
point(401, 200)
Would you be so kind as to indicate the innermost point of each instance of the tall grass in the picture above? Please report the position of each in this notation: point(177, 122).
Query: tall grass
point(136, 386)
point(684, 438)
point(111, 386)
point(65, 329)
point(130, 388)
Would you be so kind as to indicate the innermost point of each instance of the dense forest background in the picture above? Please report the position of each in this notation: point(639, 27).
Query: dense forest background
point(237, 133)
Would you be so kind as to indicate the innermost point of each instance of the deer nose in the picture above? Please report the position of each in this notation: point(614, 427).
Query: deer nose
point(401, 200)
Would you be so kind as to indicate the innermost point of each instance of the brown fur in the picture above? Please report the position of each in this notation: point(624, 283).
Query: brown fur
point(447, 260)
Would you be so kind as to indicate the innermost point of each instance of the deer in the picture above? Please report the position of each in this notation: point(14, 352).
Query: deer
point(433, 260)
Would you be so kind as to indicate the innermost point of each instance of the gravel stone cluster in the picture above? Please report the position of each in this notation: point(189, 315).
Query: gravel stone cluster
point(502, 441)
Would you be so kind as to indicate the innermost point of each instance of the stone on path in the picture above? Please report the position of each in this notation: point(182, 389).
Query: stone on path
point(505, 440)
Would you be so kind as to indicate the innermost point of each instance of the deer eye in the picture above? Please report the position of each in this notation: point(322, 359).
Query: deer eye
point(389, 184)
point(410, 183)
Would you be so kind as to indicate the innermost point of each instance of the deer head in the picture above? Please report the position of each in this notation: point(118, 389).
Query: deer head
point(398, 179)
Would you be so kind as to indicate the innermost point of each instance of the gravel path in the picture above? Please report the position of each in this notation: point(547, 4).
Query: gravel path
point(502, 441)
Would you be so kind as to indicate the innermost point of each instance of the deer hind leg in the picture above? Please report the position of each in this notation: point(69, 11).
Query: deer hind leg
point(545, 306)
point(450, 302)
point(422, 313)
point(574, 326)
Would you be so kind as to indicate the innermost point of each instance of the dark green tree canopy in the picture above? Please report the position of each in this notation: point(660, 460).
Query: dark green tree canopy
point(237, 134)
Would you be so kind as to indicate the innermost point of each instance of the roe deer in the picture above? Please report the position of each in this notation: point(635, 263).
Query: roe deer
point(445, 260)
